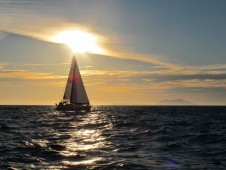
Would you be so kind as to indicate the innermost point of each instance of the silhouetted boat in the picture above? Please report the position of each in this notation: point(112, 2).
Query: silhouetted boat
point(75, 97)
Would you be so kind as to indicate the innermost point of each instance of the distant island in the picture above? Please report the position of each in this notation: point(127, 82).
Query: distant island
point(175, 102)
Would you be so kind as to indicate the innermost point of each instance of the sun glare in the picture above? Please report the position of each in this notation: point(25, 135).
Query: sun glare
point(78, 41)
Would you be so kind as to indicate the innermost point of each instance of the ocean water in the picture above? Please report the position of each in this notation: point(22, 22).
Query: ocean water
point(113, 137)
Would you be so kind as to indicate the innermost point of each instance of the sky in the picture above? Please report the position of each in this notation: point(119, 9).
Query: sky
point(154, 51)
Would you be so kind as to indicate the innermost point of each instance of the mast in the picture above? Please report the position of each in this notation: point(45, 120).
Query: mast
point(73, 80)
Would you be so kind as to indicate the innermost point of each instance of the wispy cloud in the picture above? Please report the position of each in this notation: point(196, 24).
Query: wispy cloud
point(212, 76)
point(119, 89)
point(193, 83)
point(154, 60)
point(49, 64)
point(2, 65)
point(49, 83)
point(27, 75)
point(211, 70)
point(189, 77)
point(16, 17)
point(50, 19)
point(124, 83)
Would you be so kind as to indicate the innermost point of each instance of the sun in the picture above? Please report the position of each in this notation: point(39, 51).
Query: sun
point(79, 41)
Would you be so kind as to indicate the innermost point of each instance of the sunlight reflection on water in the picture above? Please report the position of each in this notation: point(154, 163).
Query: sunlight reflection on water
point(85, 162)
point(85, 137)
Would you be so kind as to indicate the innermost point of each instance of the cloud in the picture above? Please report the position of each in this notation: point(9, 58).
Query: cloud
point(50, 19)
point(215, 72)
point(49, 83)
point(208, 67)
point(201, 77)
point(119, 89)
point(28, 75)
point(2, 65)
point(16, 17)
point(189, 71)
point(151, 59)
point(125, 82)
point(175, 102)
point(194, 83)
point(160, 83)
point(52, 64)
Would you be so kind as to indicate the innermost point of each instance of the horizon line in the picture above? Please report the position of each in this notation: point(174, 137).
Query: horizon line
point(112, 105)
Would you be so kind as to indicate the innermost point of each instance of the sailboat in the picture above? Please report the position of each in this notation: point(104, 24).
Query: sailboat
point(75, 97)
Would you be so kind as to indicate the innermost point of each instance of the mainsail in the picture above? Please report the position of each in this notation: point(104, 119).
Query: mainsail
point(75, 90)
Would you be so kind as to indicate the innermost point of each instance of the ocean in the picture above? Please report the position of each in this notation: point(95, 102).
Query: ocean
point(113, 138)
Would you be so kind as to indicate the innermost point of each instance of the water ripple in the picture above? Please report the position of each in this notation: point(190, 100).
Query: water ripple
point(113, 137)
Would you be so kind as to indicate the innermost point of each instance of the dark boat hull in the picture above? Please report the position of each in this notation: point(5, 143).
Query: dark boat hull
point(72, 107)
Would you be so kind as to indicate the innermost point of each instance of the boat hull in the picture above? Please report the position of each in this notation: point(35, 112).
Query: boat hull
point(72, 107)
